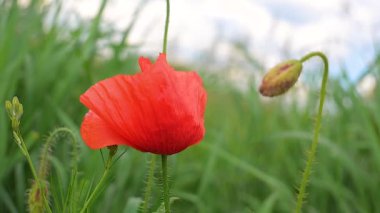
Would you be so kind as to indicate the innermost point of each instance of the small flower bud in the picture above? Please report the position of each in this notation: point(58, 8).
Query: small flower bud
point(8, 107)
point(18, 109)
point(281, 78)
point(15, 101)
point(14, 109)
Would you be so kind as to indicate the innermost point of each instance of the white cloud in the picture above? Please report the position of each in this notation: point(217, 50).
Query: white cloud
point(342, 28)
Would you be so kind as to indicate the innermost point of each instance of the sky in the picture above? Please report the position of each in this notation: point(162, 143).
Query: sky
point(273, 30)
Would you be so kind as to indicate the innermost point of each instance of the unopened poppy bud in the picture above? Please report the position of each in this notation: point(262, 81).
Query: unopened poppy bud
point(281, 78)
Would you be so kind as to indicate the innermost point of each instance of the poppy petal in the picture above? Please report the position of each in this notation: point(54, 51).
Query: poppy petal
point(189, 111)
point(189, 84)
point(98, 134)
point(145, 64)
point(162, 65)
point(121, 103)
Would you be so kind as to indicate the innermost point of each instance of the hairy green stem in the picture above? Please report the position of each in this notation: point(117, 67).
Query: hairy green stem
point(112, 152)
point(166, 26)
point(313, 149)
point(149, 183)
point(34, 203)
point(34, 173)
point(50, 143)
point(165, 184)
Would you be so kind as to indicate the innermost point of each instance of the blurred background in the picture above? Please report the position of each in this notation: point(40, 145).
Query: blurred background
point(254, 150)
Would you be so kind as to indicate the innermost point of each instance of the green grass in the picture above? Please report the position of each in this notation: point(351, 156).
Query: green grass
point(250, 160)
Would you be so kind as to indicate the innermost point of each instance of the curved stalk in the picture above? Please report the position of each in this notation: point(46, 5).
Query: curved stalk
point(313, 148)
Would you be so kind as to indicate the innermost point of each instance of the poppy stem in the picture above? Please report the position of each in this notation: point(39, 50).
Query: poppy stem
point(313, 149)
point(164, 158)
point(165, 184)
point(166, 27)
point(112, 152)
point(149, 183)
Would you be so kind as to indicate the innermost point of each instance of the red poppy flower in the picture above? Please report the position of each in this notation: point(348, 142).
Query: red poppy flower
point(158, 110)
